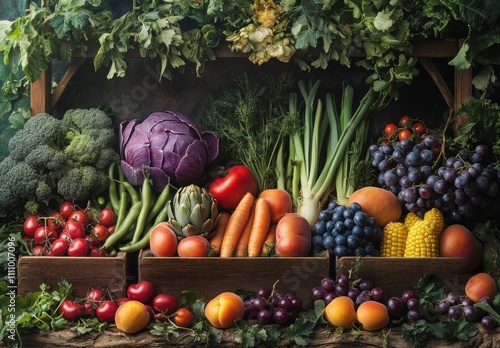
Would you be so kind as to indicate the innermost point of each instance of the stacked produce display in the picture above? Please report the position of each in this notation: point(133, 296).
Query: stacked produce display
point(278, 173)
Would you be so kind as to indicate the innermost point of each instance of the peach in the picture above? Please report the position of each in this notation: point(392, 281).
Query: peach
point(479, 286)
point(379, 203)
point(293, 236)
point(458, 241)
point(223, 310)
point(373, 315)
point(279, 201)
point(340, 312)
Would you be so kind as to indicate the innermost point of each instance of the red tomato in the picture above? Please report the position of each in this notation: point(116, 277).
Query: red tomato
point(96, 251)
point(56, 221)
point(121, 300)
point(71, 310)
point(66, 209)
point(78, 247)
point(111, 229)
point(404, 134)
point(38, 250)
point(165, 304)
point(44, 234)
point(92, 240)
point(100, 232)
point(95, 295)
point(163, 240)
point(89, 309)
point(59, 247)
point(79, 216)
point(142, 291)
point(390, 129)
point(419, 128)
point(193, 246)
point(230, 189)
point(31, 224)
point(74, 229)
point(405, 121)
point(183, 317)
point(106, 311)
point(107, 217)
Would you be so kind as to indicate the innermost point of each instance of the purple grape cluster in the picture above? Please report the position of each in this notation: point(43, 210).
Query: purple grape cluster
point(456, 306)
point(359, 291)
point(407, 306)
point(463, 187)
point(346, 231)
point(273, 306)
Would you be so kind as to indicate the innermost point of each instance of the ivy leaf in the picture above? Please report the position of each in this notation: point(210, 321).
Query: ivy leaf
point(460, 329)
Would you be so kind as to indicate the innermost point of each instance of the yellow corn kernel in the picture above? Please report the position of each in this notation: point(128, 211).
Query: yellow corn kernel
point(410, 219)
point(435, 217)
point(422, 241)
point(393, 240)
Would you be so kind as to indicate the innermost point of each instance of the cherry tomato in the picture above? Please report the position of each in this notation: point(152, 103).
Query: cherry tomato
point(92, 240)
point(95, 295)
point(419, 128)
point(405, 121)
point(59, 247)
point(38, 250)
point(74, 229)
point(79, 216)
point(78, 247)
point(66, 209)
point(89, 309)
point(121, 300)
point(106, 311)
point(111, 229)
point(44, 235)
point(230, 189)
point(96, 251)
point(107, 217)
point(31, 224)
point(56, 221)
point(404, 134)
point(71, 310)
point(100, 232)
point(165, 304)
point(390, 129)
point(143, 291)
point(183, 317)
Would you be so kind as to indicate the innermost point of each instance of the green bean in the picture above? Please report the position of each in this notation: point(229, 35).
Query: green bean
point(144, 241)
point(146, 205)
point(112, 190)
point(122, 209)
point(128, 222)
point(160, 203)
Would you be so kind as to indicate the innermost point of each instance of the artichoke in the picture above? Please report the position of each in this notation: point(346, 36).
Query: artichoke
point(192, 212)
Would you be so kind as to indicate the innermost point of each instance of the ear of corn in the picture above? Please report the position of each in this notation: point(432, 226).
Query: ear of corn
point(436, 219)
point(422, 241)
point(410, 219)
point(393, 240)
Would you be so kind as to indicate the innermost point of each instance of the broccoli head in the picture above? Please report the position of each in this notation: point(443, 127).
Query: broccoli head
point(77, 183)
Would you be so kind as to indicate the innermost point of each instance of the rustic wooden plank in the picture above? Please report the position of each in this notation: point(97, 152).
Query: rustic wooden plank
point(463, 92)
point(40, 93)
point(438, 79)
point(435, 49)
point(73, 67)
point(213, 275)
point(108, 273)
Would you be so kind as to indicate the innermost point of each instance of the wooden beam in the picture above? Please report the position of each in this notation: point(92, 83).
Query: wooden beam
point(40, 94)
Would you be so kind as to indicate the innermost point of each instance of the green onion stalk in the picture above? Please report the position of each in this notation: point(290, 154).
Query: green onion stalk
point(319, 148)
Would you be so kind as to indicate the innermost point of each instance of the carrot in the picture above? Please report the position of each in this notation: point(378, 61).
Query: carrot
point(236, 224)
point(270, 241)
point(261, 223)
point(241, 247)
point(219, 231)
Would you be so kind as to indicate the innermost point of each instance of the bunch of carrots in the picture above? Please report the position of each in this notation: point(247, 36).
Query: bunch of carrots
point(246, 232)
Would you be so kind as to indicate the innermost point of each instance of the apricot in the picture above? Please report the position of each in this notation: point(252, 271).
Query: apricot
point(377, 202)
point(458, 241)
point(340, 312)
point(223, 310)
point(132, 316)
point(373, 315)
point(279, 201)
point(479, 286)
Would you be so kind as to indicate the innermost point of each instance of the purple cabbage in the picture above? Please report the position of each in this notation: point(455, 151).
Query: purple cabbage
point(168, 145)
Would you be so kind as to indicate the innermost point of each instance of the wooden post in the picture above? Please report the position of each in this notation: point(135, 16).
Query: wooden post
point(40, 99)
point(463, 92)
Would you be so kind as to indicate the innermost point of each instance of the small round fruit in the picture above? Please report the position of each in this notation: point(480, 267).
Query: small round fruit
point(479, 286)
point(193, 246)
point(373, 315)
point(340, 312)
point(132, 317)
point(163, 240)
point(223, 310)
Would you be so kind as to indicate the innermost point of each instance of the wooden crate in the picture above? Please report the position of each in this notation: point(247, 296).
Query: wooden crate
point(398, 274)
point(108, 273)
point(213, 275)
